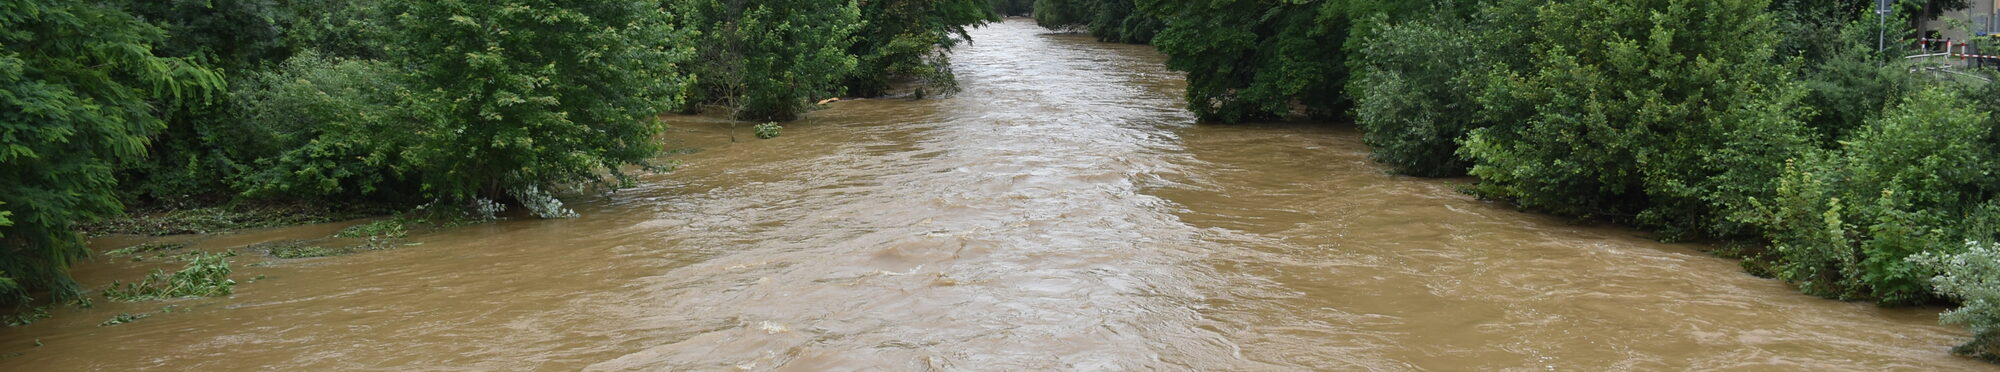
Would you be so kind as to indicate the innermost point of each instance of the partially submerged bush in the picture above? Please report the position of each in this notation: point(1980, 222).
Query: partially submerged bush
point(1973, 278)
point(1917, 180)
point(207, 275)
point(768, 130)
point(303, 249)
point(384, 228)
point(123, 318)
point(545, 205)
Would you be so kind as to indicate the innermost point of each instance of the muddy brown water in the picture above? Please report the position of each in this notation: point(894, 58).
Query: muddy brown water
point(1063, 213)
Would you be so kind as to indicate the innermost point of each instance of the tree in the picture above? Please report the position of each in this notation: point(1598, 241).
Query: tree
point(514, 96)
point(1013, 8)
point(1108, 20)
point(80, 91)
point(912, 38)
point(1667, 113)
point(768, 60)
point(1415, 95)
point(1255, 60)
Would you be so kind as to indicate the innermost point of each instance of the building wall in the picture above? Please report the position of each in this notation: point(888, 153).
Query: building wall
point(1981, 10)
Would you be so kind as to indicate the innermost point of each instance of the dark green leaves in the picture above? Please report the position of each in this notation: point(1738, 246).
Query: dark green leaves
point(78, 86)
point(510, 94)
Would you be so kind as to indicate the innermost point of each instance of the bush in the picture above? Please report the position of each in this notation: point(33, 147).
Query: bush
point(1108, 20)
point(1255, 60)
point(768, 130)
point(1917, 180)
point(1664, 113)
point(1414, 101)
point(1973, 278)
point(319, 127)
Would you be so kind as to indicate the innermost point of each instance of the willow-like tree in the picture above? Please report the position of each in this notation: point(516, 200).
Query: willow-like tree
point(80, 92)
point(515, 96)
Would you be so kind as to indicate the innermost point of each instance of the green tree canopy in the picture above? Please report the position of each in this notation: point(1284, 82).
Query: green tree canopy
point(529, 94)
point(910, 39)
point(1662, 112)
point(80, 91)
point(768, 60)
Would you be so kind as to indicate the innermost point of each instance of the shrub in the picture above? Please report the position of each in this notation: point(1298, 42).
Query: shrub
point(319, 127)
point(1414, 100)
point(1664, 113)
point(1844, 222)
point(911, 39)
point(768, 130)
point(1255, 60)
point(1973, 278)
point(1108, 20)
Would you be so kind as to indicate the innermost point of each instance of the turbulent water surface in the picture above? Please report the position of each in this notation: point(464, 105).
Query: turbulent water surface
point(1063, 213)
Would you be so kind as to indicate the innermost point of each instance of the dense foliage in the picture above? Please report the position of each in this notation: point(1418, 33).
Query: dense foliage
point(81, 91)
point(769, 60)
point(1775, 122)
point(1973, 278)
point(1108, 20)
point(1665, 112)
point(1920, 179)
point(912, 39)
point(1014, 8)
point(186, 103)
point(532, 93)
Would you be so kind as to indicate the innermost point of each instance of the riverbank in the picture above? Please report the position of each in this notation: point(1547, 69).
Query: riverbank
point(1062, 213)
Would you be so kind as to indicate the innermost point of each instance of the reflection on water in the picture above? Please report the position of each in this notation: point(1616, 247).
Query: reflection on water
point(1062, 213)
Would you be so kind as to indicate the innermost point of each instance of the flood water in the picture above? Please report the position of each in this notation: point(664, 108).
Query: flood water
point(1063, 213)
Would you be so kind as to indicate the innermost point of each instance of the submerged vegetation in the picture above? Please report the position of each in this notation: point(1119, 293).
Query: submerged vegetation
point(1774, 123)
point(206, 275)
point(768, 130)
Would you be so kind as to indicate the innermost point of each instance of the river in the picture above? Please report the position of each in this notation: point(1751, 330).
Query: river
point(1062, 213)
